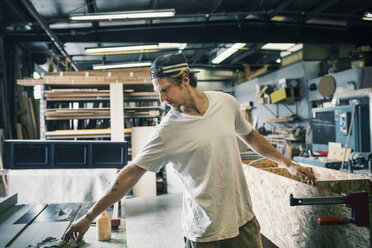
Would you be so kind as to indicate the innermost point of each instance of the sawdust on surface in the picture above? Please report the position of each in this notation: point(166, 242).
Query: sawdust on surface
point(52, 242)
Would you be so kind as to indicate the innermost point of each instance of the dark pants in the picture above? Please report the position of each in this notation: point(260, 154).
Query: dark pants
point(249, 237)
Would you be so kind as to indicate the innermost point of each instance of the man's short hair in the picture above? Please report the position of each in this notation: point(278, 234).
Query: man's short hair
point(172, 66)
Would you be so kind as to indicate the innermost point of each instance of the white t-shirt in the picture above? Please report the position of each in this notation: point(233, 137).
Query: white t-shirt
point(204, 152)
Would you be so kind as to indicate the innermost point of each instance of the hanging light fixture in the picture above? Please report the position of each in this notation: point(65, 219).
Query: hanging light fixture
point(121, 65)
point(109, 16)
point(133, 49)
point(228, 52)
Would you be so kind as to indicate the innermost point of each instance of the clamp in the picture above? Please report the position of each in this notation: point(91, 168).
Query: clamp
point(357, 201)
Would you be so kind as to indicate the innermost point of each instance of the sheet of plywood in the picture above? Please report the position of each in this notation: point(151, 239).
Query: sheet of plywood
point(288, 226)
point(147, 184)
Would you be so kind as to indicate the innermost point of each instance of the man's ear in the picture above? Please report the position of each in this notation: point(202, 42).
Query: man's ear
point(185, 79)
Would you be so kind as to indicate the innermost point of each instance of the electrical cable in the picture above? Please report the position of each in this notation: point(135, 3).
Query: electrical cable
point(347, 139)
point(254, 162)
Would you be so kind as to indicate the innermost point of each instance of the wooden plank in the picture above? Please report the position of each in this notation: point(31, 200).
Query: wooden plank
point(3, 176)
point(116, 112)
point(83, 132)
point(297, 226)
point(292, 58)
point(259, 72)
point(26, 118)
point(6, 121)
point(33, 82)
point(30, 82)
point(104, 72)
point(19, 131)
point(35, 130)
point(77, 117)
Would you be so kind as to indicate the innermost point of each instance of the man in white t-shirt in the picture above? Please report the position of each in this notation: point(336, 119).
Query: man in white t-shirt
point(198, 137)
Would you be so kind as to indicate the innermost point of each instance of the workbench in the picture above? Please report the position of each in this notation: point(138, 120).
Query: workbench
point(24, 225)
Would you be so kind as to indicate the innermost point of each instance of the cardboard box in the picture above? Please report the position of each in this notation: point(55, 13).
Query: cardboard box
point(278, 95)
point(283, 94)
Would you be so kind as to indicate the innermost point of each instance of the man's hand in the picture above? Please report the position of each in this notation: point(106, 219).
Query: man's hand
point(77, 229)
point(306, 176)
point(260, 145)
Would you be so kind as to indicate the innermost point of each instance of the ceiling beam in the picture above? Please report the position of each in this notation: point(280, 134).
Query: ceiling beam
point(215, 32)
point(214, 7)
point(197, 55)
point(30, 7)
point(153, 5)
point(320, 8)
point(92, 8)
point(246, 53)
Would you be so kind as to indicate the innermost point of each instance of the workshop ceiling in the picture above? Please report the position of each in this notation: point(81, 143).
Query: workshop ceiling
point(206, 27)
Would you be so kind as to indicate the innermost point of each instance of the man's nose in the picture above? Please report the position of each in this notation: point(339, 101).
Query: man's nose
point(163, 97)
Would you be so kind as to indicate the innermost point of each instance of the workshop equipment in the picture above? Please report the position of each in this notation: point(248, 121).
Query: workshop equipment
point(24, 225)
point(360, 160)
point(357, 94)
point(336, 165)
point(357, 201)
point(332, 125)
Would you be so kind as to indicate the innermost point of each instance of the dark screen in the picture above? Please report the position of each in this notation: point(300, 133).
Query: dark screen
point(324, 128)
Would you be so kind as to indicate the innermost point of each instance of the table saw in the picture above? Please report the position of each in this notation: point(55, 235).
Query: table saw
point(24, 225)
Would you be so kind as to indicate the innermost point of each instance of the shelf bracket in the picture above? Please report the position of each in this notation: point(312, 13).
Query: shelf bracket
point(290, 110)
point(276, 115)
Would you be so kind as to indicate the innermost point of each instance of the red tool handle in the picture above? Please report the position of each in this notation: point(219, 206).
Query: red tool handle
point(331, 221)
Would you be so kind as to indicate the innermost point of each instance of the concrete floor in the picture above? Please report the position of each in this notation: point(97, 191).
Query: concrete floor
point(154, 222)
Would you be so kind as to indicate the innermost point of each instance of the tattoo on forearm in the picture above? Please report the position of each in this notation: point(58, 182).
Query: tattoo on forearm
point(114, 187)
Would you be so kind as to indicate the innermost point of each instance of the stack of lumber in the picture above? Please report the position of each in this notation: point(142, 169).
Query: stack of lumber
point(77, 94)
point(284, 119)
point(81, 78)
point(28, 111)
point(85, 133)
point(90, 94)
point(94, 113)
point(81, 113)
point(5, 121)
point(297, 226)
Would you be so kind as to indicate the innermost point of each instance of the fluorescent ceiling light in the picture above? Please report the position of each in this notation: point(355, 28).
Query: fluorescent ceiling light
point(172, 45)
point(277, 46)
point(284, 53)
point(123, 15)
point(295, 48)
point(278, 18)
point(123, 65)
point(367, 17)
point(323, 21)
point(133, 49)
point(228, 52)
point(118, 49)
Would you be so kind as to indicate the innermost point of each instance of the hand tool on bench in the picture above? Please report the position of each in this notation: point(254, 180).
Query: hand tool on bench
point(357, 201)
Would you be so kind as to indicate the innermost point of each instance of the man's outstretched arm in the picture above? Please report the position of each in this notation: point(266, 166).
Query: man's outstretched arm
point(123, 182)
point(260, 145)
